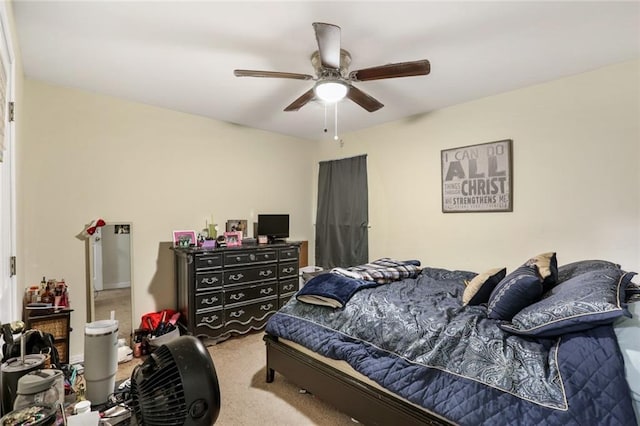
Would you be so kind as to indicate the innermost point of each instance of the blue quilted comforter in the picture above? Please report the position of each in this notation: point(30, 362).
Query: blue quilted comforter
point(416, 339)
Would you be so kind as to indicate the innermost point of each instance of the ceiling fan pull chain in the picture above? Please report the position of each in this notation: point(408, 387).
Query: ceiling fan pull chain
point(335, 136)
point(325, 118)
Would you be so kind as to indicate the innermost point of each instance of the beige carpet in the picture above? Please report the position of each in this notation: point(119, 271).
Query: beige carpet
point(248, 400)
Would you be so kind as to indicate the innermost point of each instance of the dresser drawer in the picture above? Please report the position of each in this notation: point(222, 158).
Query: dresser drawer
point(289, 253)
point(247, 275)
point(288, 269)
point(208, 280)
point(246, 258)
point(252, 312)
point(284, 299)
point(212, 319)
point(208, 260)
point(252, 292)
point(289, 286)
point(208, 301)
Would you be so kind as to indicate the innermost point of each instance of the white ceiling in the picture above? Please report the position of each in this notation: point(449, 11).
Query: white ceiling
point(181, 55)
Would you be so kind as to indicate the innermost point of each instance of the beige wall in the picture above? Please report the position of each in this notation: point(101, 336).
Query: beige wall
point(576, 146)
point(576, 180)
point(84, 156)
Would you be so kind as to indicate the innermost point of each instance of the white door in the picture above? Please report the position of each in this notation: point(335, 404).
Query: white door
point(9, 294)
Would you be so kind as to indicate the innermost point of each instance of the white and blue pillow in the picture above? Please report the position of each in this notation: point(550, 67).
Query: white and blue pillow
point(579, 303)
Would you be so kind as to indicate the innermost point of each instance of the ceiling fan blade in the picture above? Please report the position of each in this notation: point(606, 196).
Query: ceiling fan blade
point(328, 38)
point(365, 101)
point(271, 74)
point(402, 69)
point(301, 101)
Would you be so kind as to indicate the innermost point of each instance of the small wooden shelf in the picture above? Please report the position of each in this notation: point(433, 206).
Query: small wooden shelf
point(57, 323)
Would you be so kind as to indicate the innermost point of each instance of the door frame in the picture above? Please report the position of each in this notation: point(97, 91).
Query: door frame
point(9, 306)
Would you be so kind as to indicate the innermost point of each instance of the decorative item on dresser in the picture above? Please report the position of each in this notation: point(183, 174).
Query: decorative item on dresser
point(229, 290)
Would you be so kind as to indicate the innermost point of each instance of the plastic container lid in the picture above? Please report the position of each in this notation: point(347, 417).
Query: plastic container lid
point(30, 361)
point(102, 327)
point(37, 381)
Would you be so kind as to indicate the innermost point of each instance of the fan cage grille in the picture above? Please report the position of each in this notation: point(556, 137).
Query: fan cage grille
point(158, 396)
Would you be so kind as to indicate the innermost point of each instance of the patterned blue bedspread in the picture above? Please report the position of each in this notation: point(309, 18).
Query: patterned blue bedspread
point(416, 339)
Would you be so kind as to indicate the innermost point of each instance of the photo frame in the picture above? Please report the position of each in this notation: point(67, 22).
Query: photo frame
point(233, 238)
point(478, 178)
point(237, 225)
point(121, 229)
point(184, 238)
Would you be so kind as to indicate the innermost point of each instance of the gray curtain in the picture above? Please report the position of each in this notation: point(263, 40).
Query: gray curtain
point(342, 218)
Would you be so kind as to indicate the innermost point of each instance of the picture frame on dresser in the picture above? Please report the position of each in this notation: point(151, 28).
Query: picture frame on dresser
point(184, 238)
point(237, 225)
point(233, 238)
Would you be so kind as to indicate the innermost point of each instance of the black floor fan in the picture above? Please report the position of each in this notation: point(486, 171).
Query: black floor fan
point(176, 385)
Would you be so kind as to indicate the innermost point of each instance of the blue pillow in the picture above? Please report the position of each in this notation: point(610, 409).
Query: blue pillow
point(573, 269)
point(520, 288)
point(582, 302)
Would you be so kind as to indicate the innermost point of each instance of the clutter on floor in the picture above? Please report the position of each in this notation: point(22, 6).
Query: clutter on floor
point(87, 394)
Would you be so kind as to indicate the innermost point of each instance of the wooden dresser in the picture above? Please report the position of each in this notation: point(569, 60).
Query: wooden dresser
point(226, 291)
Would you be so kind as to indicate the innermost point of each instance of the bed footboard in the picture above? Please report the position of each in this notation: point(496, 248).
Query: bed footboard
point(359, 400)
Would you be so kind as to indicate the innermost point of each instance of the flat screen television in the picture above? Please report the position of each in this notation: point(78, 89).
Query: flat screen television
point(274, 226)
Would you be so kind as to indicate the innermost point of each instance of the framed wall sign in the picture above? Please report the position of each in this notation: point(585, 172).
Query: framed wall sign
point(478, 178)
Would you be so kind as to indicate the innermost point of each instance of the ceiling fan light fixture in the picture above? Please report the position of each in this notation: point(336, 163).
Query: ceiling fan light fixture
point(330, 91)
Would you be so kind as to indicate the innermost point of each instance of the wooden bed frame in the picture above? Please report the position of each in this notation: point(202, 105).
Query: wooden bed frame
point(349, 395)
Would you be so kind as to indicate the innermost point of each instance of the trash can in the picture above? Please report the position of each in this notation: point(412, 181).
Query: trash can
point(12, 371)
point(100, 359)
point(308, 272)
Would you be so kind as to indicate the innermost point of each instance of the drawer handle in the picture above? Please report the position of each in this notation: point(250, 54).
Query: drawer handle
point(211, 280)
point(236, 277)
point(210, 319)
point(266, 290)
point(265, 273)
point(237, 296)
point(236, 314)
point(288, 287)
point(266, 307)
point(252, 257)
point(287, 254)
point(266, 256)
point(209, 301)
point(288, 270)
point(210, 261)
point(238, 258)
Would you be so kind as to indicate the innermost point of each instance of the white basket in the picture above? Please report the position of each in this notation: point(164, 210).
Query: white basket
point(165, 338)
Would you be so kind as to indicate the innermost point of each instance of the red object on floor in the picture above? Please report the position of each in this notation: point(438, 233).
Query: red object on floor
point(152, 319)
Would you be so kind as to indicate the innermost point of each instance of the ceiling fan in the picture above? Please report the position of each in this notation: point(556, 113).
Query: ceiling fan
point(333, 81)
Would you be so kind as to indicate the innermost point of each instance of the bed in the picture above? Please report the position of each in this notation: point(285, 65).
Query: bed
point(535, 346)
